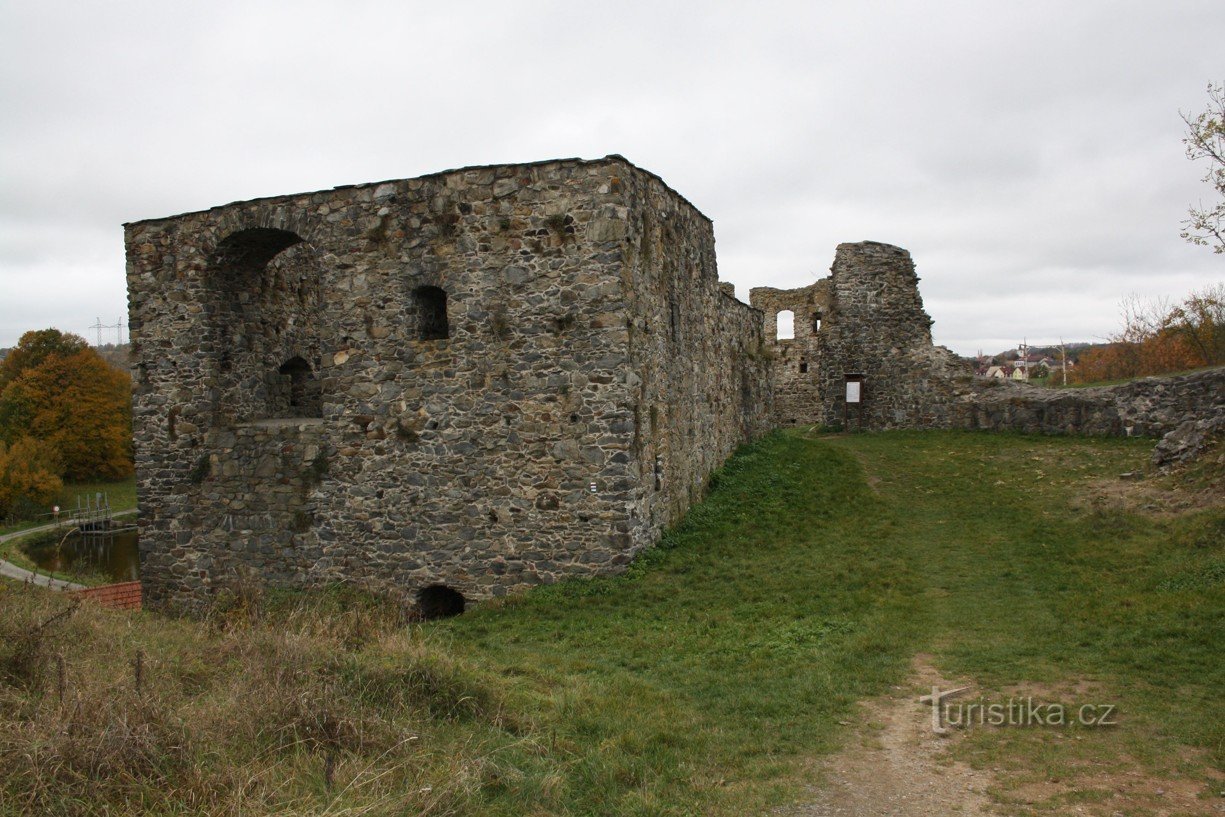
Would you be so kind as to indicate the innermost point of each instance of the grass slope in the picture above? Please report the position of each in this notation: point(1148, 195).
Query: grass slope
point(702, 681)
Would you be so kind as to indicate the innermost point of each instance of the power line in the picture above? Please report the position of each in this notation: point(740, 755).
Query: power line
point(98, 326)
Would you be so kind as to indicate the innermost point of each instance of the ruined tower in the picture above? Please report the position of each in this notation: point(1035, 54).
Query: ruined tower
point(864, 323)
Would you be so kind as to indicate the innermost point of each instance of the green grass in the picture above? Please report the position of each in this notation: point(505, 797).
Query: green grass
point(121, 493)
point(708, 677)
point(1028, 590)
point(752, 628)
point(795, 589)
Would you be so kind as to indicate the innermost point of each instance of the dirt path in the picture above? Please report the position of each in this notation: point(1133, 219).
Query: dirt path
point(896, 765)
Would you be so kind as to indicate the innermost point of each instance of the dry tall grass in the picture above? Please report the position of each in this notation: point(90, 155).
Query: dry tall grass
point(331, 706)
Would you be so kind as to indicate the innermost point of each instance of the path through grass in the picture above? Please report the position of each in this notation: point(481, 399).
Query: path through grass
point(797, 589)
point(707, 678)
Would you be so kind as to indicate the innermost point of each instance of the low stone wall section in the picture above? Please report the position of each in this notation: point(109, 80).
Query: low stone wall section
point(1186, 410)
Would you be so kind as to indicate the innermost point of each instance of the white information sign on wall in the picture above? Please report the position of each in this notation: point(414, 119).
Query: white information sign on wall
point(852, 391)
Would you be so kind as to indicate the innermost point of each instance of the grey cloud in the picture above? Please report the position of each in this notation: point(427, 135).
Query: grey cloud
point(1028, 155)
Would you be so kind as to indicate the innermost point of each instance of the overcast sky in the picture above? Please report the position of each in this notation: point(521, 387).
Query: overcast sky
point(1028, 154)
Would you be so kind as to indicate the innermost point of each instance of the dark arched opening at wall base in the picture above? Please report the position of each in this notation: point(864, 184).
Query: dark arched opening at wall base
point(439, 601)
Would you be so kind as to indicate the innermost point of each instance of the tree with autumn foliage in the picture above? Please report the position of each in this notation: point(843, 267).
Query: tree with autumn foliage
point(1205, 140)
point(28, 477)
point(34, 348)
point(57, 390)
point(1159, 337)
point(1200, 322)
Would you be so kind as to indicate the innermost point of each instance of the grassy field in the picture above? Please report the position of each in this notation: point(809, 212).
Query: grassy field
point(703, 681)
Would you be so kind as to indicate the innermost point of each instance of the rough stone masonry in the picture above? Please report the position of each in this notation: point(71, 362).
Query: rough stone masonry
point(865, 322)
point(456, 386)
point(452, 386)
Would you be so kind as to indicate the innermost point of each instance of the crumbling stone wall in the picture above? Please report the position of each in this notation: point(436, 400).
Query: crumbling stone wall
point(484, 379)
point(798, 393)
point(262, 304)
point(494, 377)
point(246, 503)
point(1152, 406)
point(872, 325)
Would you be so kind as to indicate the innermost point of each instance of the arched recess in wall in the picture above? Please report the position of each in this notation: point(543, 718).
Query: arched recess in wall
point(296, 394)
point(264, 304)
point(785, 325)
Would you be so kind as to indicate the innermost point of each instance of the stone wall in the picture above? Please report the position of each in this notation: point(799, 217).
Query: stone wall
point(871, 325)
point(473, 379)
point(495, 377)
point(1153, 406)
point(699, 377)
point(248, 500)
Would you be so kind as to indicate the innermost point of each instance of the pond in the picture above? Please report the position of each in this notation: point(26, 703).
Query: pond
point(112, 556)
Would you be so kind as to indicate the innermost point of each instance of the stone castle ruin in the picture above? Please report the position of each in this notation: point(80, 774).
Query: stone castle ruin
point(864, 323)
point(453, 386)
point(460, 385)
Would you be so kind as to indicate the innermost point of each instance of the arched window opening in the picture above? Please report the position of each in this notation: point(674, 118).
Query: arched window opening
point(250, 250)
point(431, 303)
point(803, 367)
point(786, 325)
point(296, 392)
point(439, 601)
point(265, 295)
point(816, 321)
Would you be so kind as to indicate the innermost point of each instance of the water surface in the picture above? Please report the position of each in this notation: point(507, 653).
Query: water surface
point(113, 556)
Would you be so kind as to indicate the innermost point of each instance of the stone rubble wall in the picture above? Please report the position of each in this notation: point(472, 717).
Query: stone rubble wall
point(497, 377)
point(702, 384)
point(797, 361)
point(261, 315)
point(1191, 440)
point(879, 329)
point(246, 503)
point(1150, 407)
point(507, 454)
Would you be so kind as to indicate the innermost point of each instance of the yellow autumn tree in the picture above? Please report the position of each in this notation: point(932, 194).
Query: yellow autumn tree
point(36, 346)
point(80, 406)
point(28, 480)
